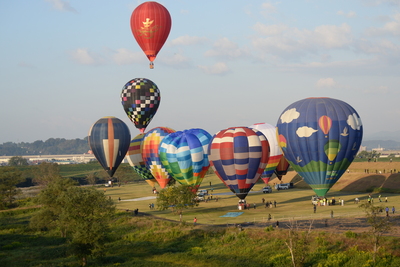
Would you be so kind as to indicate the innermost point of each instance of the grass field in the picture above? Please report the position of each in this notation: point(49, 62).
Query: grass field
point(291, 204)
point(146, 241)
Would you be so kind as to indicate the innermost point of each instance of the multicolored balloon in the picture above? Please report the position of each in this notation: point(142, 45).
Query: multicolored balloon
point(238, 156)
point(140, 98)
point(275, 152)
point(109, 140)
point(184, 156)
point(134, 157)
point(282, 168)
point(150, 25)
point(150, 154)
point(320, 137)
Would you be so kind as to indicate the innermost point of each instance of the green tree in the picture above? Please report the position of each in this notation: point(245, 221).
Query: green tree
point(51, 215)
point(45, 173)
point(18, 161)
point(88, 212)
point(91, 178)
point(124, 174)
point(9, 178)
point(81, 214)
point(379, 224)
point(177, 198)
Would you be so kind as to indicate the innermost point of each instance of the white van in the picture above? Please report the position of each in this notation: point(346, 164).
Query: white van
point(282, 186)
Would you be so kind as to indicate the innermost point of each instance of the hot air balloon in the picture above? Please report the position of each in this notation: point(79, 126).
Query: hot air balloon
point(320, 138)
point(150, 25)
point(109, 140)
point(140, 98)
point(238, 156)
point(134, 157)
point(282, 168)
point(275, 153)
point(184, 156)
point(150, 154)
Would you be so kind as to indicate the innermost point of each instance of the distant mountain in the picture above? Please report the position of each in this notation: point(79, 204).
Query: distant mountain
point(52, 146)
point(383, 135)
point(386, 144)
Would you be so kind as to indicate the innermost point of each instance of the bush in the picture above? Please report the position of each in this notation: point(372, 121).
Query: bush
point(350, 234)
point(269, 228)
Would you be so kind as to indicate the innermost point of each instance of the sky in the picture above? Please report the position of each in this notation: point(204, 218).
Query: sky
point(225, 63)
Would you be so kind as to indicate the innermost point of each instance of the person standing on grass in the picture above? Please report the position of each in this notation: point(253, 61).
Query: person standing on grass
point(393, 210)
point(315, 208)
point(194, 221)
point(387, 211)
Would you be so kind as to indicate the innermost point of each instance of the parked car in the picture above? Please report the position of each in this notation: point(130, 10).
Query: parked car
point(282, 186)
point(203, 192)
point(267, 189)
point(199, 198)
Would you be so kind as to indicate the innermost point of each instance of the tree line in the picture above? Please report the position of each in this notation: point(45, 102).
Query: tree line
point(52, 146)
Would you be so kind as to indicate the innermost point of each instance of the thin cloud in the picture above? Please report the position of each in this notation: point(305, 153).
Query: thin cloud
point(178, 61)
point(377, 90)
point(286, 42)
point(218, 68)
point(350, 14)
point(268, 8)
point(62, 5)
point(189, 40)
point(123, 56)
point(391, 28)
point(226, 49)
point(84, 57)
point(326, 83)
point(381, 2)
point(24, 64)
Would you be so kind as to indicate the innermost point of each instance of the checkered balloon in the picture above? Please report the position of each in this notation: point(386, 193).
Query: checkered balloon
point(140, 98)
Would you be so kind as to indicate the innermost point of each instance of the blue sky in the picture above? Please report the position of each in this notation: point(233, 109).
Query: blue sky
point(226, 63)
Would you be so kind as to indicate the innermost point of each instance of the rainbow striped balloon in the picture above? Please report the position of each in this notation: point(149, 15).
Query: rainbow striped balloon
point(150, 145)
point(134, 157)
point(275, 151)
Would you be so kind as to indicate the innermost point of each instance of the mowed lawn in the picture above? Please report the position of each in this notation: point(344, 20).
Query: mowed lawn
point(294, 203)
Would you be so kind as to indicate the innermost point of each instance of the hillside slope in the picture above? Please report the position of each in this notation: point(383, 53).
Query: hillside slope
point(362, 177)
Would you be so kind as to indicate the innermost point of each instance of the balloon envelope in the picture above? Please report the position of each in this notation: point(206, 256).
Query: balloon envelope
point(184, 155)
point(150, 25)
point(150, 154)
point(282, 168)
point(238, 156)
point(320, 138)
point(109, 140)
point(140, 98)
point(134, 157)
point(275, 151)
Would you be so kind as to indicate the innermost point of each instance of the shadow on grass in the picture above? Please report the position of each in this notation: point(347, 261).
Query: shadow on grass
point(366, 184)
point(23, 250)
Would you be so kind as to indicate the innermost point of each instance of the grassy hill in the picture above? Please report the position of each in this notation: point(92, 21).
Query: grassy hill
point(375, 177)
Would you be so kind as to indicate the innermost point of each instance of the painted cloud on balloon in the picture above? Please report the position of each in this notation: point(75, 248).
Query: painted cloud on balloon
point(289, 115)
point(305, 131)
point(354, 121)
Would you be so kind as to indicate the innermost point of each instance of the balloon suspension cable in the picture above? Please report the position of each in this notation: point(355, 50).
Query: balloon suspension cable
point(151, 65)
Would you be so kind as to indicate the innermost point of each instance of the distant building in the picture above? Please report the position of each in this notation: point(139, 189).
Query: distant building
point(362, 148)
point(379, 149)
